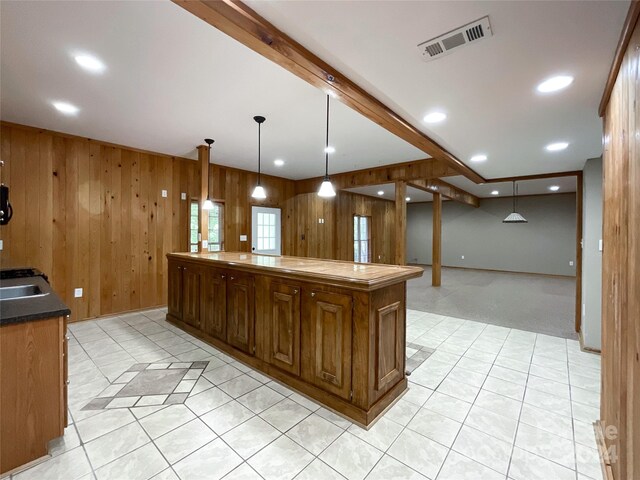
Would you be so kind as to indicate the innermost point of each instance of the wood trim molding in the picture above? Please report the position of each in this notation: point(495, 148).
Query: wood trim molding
point(203, 159)
point(244, 25)
point(538, 176)
point(436, 254)
point(579, 188)
point(401, 223)
point(625, 36)
point(414, 170)
point(452, 192)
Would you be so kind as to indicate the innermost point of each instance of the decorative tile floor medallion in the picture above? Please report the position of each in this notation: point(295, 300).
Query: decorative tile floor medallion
point(149, 384)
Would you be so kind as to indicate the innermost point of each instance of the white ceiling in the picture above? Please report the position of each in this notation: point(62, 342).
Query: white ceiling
point(487, 89)
point(171, 81)
point(505, 189)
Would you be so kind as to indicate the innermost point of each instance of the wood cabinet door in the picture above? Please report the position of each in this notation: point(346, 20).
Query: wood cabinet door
point(174, 301)
point(283, 329)
point(327, 341)
point(213, 304)
point(240, 312)
point(191, 295)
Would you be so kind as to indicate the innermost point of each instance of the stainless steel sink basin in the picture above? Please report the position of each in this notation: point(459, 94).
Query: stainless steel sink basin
point(20, 291)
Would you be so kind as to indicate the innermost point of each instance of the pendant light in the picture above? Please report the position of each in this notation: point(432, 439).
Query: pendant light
point(326, 189)
point(208, 204)
point(258, 192)
point(515, 217)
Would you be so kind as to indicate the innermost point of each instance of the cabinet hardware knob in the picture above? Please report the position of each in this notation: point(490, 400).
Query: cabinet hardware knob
point(67, 337)
point(232, 278)
point(68, 382)
point(313, 294)
point(223, 276)
point(295, 291)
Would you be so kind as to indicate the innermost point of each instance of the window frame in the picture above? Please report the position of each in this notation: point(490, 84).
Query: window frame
point(220, 208)
point(195, 202)
point(359, 241)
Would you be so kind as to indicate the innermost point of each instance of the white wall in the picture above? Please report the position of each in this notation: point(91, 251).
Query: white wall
point(591, 254)
point(547, 244)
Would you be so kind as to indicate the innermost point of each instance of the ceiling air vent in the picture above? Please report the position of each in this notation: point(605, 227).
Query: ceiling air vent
point(445, 44)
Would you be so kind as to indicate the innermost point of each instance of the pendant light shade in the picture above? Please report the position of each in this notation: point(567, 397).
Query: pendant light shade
point(515, 217)
point(208, 204)
point(326, 189)
point(259, 193)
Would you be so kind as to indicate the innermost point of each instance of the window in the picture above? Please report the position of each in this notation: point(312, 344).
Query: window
point(266, 231)
point(361, 239)
point(216, 228)
point(194, 225)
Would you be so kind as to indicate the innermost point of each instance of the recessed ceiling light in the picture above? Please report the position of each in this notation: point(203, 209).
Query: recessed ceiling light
point(329, 149)
point(278, 162)
point(478, 158)
point(408, 199)
point(380, 192)
point(554, 84)
point(90, 63)
point(556, 147)
point(554, 188)
point(435, 117)
point(66, 108)
point(495, 192)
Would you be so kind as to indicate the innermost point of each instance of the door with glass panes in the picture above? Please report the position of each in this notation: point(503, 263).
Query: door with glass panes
point(265, 231)
point(361, 239)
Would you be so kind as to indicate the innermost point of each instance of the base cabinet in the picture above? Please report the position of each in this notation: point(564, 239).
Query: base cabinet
point(33, 389)
point(344, 348)
point(283, 327)
point(240, 312)
point(327, 339)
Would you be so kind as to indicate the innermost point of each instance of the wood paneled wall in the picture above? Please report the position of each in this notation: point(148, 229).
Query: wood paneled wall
point(334, 237)
point(91, 215)
point(620, 400)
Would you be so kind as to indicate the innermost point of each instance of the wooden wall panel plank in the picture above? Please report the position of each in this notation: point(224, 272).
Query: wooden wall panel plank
point(106, 258)
point(18, 189)
point(71, 225)
point(84, 235)
point(58, 276)
point(45, 209)
point(5, 177)
point(95, 215)
point(125, 230)
point(136, 242)
point(32, 251)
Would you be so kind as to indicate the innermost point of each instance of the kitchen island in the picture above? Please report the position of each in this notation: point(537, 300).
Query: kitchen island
point(332, 330)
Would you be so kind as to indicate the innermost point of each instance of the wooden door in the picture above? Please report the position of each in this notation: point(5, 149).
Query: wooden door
point(284, 327)
point(327, 341)
point(213, 305)
point(174, 301)
point(240, 312)
point(191, 295)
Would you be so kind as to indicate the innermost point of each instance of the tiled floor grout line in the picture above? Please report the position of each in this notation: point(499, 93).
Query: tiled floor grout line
point(469, 345)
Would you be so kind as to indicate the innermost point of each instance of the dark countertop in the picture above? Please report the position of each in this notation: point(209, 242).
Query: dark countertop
point(31, 308)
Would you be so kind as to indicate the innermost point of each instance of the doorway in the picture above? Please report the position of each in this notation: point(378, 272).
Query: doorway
point(266, 231)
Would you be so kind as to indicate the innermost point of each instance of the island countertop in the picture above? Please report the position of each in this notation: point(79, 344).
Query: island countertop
point(358, 276)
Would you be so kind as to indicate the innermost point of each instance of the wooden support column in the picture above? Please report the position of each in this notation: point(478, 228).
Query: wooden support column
point(401, 223)
point(203, 158)
point(436, 256)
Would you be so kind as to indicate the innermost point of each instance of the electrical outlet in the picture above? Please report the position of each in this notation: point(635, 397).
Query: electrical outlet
point(205, 244)
point(77, 293)
point(584, 310)
point(183, 196)
point(571, 263)
point(164, 194)
point(243, 238)
point(1, 244)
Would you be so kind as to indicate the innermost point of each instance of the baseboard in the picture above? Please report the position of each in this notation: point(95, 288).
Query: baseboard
point(497, 271)
point(116, 314)
point(605, 461)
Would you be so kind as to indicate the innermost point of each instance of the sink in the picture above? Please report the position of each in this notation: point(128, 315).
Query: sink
point(20, 291)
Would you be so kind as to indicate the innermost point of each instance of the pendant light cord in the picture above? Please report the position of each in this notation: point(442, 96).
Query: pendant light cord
point(514, 196)
point(259, 128)
point(326, 145)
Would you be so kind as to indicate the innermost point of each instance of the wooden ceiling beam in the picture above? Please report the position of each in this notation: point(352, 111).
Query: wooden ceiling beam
point(243, 24)
point(538, 176)
point(447, 190)
point(415, 170)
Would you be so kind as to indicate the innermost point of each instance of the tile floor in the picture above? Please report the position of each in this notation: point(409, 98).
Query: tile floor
point(488, 403)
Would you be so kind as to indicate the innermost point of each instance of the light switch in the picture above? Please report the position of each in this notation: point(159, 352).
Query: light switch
point(1, 244)
point(164, 194)
point(571, 263)
point(205, 244)
point(243, 238)
point(599, 245)
point(462, 257)
point(77, 293)
point(183, 196)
